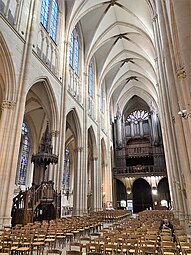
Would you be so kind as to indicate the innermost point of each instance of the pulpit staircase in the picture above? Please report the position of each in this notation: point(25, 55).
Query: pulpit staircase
point(41, 201)
point(34, 203)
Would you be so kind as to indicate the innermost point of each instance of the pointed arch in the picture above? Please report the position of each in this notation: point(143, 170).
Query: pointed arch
point(7, 73)
point(73, 122)
point(92, 137)
point(142, 197)
point(51, 108)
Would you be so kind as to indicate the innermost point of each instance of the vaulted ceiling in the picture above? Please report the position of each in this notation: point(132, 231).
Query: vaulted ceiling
point(119, 35)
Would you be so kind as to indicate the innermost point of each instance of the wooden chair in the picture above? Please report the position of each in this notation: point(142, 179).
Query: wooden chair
point(73, 253)
point(93, 247)
point(110, 248)
point(55, 251)
point(169, 251)
point(148, 247)
point(75, 246)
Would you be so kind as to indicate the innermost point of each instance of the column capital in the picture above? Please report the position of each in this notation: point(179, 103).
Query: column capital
point(155, 17)
point(55, 133)
point(181, 72)
point(6, 104)
point(78, 149)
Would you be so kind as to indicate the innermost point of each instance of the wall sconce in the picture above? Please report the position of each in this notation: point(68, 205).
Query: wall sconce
point(183, 113)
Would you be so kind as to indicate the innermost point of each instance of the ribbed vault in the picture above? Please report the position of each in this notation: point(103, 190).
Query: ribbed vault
point(118, 34)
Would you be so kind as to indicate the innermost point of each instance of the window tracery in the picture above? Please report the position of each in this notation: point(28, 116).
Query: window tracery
point(74, 51)
point(66, 173)
point(24, 155)
point(49, 17)
point(137, 115)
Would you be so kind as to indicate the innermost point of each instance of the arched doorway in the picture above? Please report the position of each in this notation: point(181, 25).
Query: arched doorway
point(92, 188)
point(142, 197)
point(71, 169)
point(121, 195)
point(164, 193)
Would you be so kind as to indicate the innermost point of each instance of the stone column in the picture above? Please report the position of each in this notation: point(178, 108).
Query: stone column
point(7, 173)
point(52, 170)
point(16, 17)
point(181, 94)
point(78, 182)
point(99, 187)
point(119, 129)
point(7, 8)
point(182, 14)
point(164, 65)
point(94, 181)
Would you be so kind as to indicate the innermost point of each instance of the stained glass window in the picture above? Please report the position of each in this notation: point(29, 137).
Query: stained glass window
point(44, 13)
point(54, 19)
point(74, 51)
point(66, 172)
point(49, 16)
point(90, 80)
point(24, 155)
point(76, 61)
point(137, 115)
point(71, 50)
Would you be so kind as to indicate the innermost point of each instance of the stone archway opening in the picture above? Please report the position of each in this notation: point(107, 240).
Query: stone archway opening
point(142, 196)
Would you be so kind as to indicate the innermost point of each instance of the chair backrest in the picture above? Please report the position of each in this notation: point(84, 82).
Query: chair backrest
point(76, 246)
point(56, 251)
point(73, 253)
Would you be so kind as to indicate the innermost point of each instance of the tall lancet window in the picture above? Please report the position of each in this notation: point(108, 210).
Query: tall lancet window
point(54, 20)
point(24, 155)
point(49, 16)
point(91, 90)
point(90, 80)
point(66, 172)
point(71, 50)
point(44, 13)
point(74, 51)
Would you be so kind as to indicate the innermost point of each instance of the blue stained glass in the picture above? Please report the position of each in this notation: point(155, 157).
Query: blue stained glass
point(66, 173)
point(44, 13)
point(71, 51)
point(25, 148)
point(90, 80)
point(76, 60)
point(54, 20)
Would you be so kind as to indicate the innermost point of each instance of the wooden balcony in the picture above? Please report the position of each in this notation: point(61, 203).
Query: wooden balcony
point(140, 170)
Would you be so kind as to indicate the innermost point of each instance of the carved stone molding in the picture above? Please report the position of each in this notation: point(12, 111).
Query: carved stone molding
point(181, 73)
point(6, 104)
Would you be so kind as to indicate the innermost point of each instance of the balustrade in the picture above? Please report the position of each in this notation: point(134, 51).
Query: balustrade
point(146, 170)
